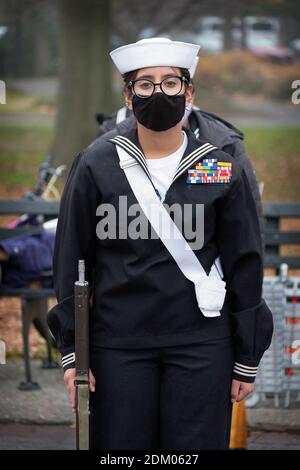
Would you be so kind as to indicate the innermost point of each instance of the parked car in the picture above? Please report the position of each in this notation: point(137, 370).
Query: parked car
point(211, 35)
point(261, 32)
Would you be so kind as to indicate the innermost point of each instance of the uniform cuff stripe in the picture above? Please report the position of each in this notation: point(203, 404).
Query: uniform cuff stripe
point(250, 368)
point(71, 361)
point(68, 358)
point(245, 370)
point(243, 373)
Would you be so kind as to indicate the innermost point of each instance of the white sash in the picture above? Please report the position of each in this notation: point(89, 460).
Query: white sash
point(210, 290)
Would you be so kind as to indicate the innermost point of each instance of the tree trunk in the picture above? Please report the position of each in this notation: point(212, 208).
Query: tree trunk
point(85, 75)
point(227, 32)
point(243, 34)
point(288, 31)
point(41, 52)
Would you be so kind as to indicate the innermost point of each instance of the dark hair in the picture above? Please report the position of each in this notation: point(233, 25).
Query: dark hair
point(128, 76)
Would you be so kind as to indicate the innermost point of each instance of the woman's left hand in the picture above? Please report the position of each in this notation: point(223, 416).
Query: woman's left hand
point(240, 390)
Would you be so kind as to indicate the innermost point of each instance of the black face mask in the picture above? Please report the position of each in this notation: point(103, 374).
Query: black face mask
point(159, 112)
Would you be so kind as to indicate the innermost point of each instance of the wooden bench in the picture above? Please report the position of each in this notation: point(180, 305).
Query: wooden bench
point(276, 237)
point(34, 298)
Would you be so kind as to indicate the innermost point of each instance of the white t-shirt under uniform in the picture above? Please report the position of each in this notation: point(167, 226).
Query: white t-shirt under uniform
point(162, 170)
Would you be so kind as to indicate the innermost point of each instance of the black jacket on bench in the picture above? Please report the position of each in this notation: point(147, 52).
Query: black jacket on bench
point(141, 297)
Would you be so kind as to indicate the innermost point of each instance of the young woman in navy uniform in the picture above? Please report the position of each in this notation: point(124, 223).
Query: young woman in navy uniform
point(164, 371)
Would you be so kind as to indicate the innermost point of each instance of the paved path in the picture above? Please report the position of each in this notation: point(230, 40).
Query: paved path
point(49, 405)
point(274, 441)
point(42, 419)
point(34, 437)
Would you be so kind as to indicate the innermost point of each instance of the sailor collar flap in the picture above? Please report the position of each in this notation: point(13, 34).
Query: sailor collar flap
point(195, 151)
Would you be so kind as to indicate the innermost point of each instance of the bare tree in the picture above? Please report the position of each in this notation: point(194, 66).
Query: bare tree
point(132, 17)
point(85, 74)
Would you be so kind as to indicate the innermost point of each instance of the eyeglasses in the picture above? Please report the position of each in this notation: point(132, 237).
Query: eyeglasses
point(171, 86)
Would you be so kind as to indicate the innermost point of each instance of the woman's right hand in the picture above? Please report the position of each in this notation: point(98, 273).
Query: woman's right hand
point(69, 378)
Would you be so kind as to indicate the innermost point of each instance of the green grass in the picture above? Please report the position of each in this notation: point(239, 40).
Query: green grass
point(29, 136)
point(275, 153)
point(22, 149)
point(20, 103)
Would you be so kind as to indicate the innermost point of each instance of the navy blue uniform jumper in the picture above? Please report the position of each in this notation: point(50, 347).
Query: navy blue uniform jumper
point(143, 303)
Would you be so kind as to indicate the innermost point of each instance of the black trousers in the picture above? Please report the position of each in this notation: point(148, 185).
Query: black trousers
point(169, 398)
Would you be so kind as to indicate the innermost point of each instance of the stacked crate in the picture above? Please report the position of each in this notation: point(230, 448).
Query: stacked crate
point(279, 370)
point(271, 372)
point(292, 337)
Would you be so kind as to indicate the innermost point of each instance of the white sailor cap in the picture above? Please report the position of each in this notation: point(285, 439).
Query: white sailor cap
point(193, 68)
point(153, 52)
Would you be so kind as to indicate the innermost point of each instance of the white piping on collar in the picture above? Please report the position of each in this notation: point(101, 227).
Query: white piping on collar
point(189, 159)
point(197, 132)
point(183, 165)
point(129, 146)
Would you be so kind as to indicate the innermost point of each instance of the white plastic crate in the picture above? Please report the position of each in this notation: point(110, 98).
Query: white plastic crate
point(277, 372)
